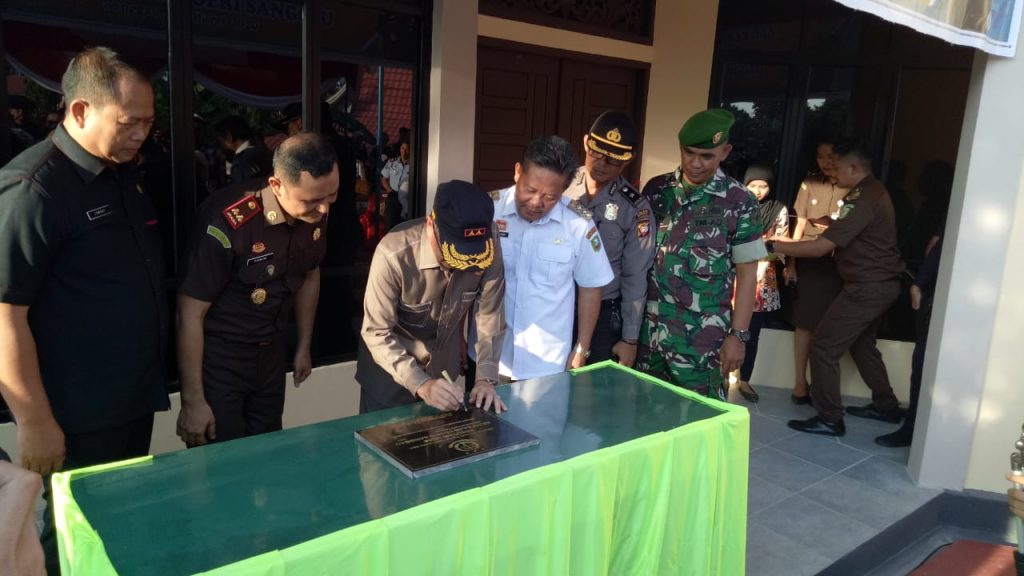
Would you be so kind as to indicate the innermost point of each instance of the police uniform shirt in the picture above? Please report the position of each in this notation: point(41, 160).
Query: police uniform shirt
point(80, 247)
point(248, 262)
point(544, 261)
point(866, 235)
point(623, 217)
point(414, 311)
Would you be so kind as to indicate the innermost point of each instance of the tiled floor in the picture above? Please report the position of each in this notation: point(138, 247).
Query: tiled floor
point(813, 499)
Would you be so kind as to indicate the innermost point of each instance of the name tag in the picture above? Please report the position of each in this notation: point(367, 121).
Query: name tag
point(258, 259)
point(99, 212)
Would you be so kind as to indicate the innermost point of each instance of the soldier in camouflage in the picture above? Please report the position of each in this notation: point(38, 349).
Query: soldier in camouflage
point(707, 236)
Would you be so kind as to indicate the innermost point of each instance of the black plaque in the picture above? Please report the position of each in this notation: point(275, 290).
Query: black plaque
point(429, 444)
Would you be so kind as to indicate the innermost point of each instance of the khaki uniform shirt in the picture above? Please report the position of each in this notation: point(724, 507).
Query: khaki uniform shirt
point(623, 218)
point(817, 198)
point(415, 311)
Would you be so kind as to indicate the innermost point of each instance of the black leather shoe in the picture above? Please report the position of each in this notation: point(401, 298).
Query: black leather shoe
point(892, 416)
point(800, 400)
point(897, 439)
point(818, 426)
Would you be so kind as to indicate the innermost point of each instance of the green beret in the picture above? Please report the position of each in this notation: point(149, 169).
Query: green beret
point(707, 129)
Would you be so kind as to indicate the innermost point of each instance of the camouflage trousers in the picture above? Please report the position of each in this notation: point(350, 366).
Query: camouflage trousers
point(682, 347)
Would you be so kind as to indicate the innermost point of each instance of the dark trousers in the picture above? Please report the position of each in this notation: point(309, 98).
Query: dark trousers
point(756, 322)
point(851, 324)
point(244, 386)
point(607, 331)
point(88, 449)
point(378, 390)
point(922, 318)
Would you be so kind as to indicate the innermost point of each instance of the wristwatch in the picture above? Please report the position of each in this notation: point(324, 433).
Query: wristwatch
point(769, 245)
point(581, 352)
point(741, 335)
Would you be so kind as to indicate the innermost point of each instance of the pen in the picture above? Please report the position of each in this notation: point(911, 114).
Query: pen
point(462, 402)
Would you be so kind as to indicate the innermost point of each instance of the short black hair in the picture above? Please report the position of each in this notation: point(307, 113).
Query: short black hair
point(93, 75)
point(236, 125)
point(853, 149)
point(304, 152)
point(553, 153)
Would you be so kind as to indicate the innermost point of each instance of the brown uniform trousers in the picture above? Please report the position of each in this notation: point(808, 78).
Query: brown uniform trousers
point(851, 323)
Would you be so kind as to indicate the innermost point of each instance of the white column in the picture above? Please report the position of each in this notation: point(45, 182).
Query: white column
point(967, 359)
point(451, 128)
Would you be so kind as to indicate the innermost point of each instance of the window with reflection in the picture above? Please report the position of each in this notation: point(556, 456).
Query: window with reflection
point(756, 95)
point(247, 65)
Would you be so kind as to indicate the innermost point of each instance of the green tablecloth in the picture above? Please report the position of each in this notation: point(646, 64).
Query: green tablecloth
point(632, 476)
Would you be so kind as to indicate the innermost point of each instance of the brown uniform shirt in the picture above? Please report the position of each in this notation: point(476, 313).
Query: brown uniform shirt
point(817, 198)
point(248, 262)
point(415, 311)
point(865, 234)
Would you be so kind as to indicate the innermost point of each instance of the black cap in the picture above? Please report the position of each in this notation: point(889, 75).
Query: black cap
point(614, 135)
point(289, 113)
point(464, 214)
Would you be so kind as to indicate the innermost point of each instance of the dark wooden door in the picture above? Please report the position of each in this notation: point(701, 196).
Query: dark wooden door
point(516, 100)
point(525, 94)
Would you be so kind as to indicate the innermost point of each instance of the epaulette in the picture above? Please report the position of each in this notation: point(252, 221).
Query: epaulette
point(578, 208)
point(242, 211)
point(631, 194)
point(495, 195)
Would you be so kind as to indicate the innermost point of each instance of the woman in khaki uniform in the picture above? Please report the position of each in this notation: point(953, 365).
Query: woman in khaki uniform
point(817, 203)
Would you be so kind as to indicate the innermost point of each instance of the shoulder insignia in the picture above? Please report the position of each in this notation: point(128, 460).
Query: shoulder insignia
point(853, 195)
point(220, 236)
point(495, 195)
point(242, 211)
point(631, 194)
point(580, 211)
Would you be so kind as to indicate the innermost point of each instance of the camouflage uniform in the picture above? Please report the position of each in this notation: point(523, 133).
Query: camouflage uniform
point(701, 232)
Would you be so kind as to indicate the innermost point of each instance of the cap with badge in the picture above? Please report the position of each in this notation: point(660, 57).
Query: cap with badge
point(707, 129)
point(290, 112)
point(614, 135)
point(463, 215)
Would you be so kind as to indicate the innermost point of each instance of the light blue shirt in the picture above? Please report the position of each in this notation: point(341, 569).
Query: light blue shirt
point(544, 261)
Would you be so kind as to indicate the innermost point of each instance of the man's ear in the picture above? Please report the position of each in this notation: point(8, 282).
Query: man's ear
point(77, 111)
point(518, 172)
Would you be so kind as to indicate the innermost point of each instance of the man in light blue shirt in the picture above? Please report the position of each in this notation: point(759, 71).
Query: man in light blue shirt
point(551, 246)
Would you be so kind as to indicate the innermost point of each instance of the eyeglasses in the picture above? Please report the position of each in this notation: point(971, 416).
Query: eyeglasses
point(607, 159)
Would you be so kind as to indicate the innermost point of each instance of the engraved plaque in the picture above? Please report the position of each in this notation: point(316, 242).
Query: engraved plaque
point(438, 442)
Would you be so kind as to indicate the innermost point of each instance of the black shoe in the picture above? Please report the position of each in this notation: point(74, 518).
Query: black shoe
point(897, 439)
point(800, 400)
point(892, 416)
point(818, 426)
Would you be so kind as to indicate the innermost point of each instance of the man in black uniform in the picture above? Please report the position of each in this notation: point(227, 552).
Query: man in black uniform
point(623, 217)
point(255, 253)
point(82, 308)
point(249, 158)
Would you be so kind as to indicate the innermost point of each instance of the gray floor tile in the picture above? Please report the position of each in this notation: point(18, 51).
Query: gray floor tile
point(889, 476)
point(821, 450)
point(863, 438)
point(772, 554)
point(861, 501)
point(819, 529)
point(785, 470)
point(765, 430)
point(784, 409)
point(763, 493)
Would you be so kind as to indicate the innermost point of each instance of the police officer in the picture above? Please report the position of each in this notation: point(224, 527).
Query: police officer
point(255, 253)
point(707, 225)
point(428, 276)
point(868, 261)
point(623, 218)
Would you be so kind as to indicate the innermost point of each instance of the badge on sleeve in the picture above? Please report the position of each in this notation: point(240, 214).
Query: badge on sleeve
point(611, 211)
point(643, 229)
point(595, 243)
point(218, 235)
point(591, 232)
point(258, 296)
